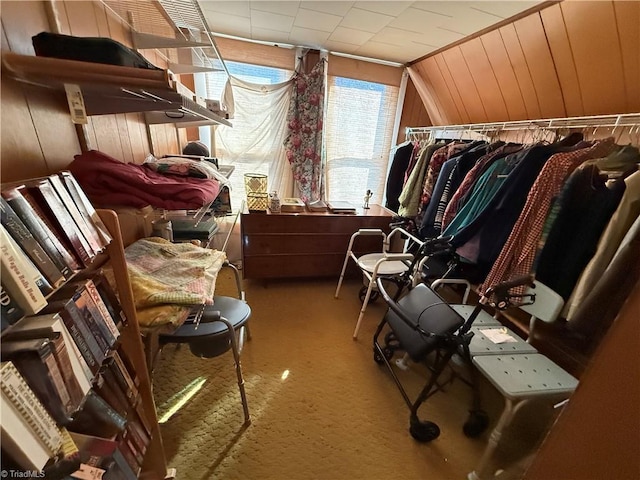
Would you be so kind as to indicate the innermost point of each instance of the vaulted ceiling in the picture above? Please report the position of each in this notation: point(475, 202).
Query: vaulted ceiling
point(396, 31)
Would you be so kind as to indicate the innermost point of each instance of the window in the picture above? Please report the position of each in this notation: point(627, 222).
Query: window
point(254, 143)
point(358, 137)
point(247, 72)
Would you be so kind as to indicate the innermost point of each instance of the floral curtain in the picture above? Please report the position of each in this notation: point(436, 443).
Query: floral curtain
point(303, 144)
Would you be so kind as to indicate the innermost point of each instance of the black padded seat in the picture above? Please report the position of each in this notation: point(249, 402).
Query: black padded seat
point(210, 337)
point(432, 314)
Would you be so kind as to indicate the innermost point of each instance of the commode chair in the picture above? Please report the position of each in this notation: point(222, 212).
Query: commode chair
point(212, 330)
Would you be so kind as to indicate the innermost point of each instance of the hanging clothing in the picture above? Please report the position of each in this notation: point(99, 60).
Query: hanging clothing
point(410, 196)
point(413, 159)
point(395, 179)
point(627, 212)
point(449, 178)
point(600, 308)
point(585, 206)
point(438, 159)
point(459, 197)
point(517, 255)
point(481, 239)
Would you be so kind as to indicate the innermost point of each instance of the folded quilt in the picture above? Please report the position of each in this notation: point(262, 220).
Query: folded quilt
point(108, 181)
point(162, 272)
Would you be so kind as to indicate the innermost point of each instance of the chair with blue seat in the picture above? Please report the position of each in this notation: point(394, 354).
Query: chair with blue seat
point(422, 323)
point(428, 330)
point(212, 330)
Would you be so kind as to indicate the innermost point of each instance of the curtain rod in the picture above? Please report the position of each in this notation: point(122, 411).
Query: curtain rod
point(618, 120)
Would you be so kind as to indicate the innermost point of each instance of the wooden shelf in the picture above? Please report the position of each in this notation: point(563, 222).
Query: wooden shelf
point(109, 89)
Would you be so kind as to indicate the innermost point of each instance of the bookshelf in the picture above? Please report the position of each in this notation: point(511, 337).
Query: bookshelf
point(110, 89)
point(129, 344)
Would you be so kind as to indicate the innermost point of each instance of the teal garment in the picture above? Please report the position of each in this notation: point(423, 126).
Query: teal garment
point(483, 191)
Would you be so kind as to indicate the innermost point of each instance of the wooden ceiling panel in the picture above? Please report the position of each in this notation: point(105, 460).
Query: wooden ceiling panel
point(268, 56)
point(556, 33)
point(20, 24)
point(543, 73)
point(485, 80)
point(102, 21)
point(426, 92)
point(463, 115)
point(628, 19)
point(413, 111)
point(521, 69)
point(465, 84)
point(592, 32)
point(82, 19)
point(118, 31)
point(443, 91)
point(505, 76)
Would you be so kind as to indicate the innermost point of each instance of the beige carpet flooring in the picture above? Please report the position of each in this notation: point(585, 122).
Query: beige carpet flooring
point(321, 408)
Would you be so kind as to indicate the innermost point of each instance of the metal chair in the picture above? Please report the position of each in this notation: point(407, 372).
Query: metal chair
point(212, 330)
point(401, 267)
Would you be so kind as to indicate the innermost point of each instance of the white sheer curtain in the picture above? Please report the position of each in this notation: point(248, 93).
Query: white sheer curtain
point(254, 143)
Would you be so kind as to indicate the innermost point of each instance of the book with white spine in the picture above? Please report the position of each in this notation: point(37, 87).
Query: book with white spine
point(29, 433)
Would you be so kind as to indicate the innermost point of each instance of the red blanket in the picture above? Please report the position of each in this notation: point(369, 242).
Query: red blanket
point(108, 181)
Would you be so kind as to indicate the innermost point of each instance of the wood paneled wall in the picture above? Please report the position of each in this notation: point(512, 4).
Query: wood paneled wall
point(573, 58)
point(38, 137)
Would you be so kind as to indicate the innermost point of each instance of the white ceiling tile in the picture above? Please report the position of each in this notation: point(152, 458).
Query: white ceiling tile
point(389, 27)
point(469, 21)
point(283, 8)
point(316, 20)
point(266, 35)
point(272, 21)
point(228, 24)
point(443, 7)
point(341, 47)
point(393, 36)
point(416, 20)
point(383, 51)
point(349, 35)
point(365, 20)
point(335, 8)
point(504, 9)
point(307, 38)
point(393, 8)
point(232, 8)
point(440, 37)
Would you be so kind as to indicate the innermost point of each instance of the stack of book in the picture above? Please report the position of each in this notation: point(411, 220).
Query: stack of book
point(317, 206)
point(70, 360)
point(291, 205)
point(49, 231)
point(70, 399)
point(342, 207)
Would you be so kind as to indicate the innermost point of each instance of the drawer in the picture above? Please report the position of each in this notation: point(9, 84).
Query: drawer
point(339, 224)
point(296, 266)
point(289, 243)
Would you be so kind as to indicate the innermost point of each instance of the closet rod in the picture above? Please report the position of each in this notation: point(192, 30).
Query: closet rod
point(618, 120)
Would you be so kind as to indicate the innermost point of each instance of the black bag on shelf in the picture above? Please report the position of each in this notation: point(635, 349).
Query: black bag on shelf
point(88, 49)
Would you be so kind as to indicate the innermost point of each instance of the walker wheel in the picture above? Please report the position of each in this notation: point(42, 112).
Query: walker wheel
point(423, 431)
point(477, 423)
point(391, 341)
point(388, 353)
point(363, 293)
